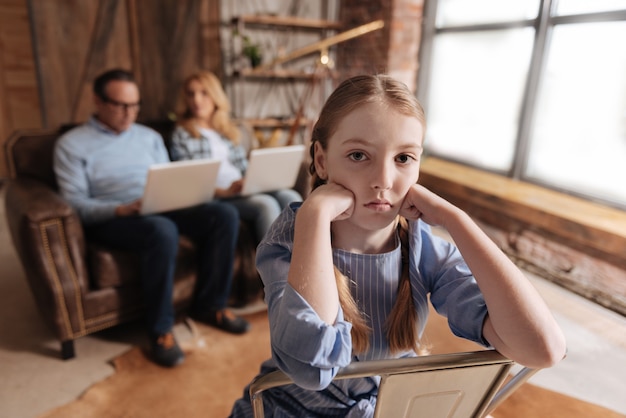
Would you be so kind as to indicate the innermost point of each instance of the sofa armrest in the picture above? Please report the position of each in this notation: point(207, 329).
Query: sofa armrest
point(35, 201)
point(49, 240)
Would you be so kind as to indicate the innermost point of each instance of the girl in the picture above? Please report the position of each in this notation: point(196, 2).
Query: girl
point(347, 273)
point(205, 130)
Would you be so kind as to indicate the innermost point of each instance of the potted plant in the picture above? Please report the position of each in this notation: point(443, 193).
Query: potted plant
point(252, 51)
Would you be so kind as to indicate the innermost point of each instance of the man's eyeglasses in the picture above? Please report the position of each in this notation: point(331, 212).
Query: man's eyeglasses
point(122, 106)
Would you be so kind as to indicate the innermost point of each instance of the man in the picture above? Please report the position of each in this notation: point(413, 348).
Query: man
point(101, 168)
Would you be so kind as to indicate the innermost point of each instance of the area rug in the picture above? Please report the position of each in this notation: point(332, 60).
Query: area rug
point(219, 365)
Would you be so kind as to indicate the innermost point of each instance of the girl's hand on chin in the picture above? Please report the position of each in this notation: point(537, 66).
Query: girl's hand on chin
point(336, 198)
point(420, 202)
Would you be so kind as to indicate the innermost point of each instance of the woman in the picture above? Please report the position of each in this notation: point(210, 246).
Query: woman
point(206, 130)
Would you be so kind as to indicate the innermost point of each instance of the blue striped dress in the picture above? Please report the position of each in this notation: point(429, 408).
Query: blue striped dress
point(311, 351)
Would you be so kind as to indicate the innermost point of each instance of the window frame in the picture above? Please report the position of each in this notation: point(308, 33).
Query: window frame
point(543, 25)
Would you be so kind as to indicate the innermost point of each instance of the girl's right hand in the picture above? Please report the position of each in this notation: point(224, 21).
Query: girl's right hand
point(333, 197)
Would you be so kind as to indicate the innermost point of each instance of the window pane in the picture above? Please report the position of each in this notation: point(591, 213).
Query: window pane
point(572, 7)
point(475, 95)
point(578, 140)
point(465, 12)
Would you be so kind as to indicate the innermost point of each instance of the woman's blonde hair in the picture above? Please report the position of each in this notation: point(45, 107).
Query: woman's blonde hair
point(402, 323)
point(221, 120)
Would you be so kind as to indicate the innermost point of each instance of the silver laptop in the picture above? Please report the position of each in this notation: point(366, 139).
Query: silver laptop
point(179, 184)
point(272, 169)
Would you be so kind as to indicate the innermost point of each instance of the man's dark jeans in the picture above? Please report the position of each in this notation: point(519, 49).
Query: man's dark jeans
point(213, 227)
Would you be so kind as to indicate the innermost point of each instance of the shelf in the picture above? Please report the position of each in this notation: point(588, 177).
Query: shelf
point(284, 81)
point(251, 73)
point(276, 122)
point(287, 22)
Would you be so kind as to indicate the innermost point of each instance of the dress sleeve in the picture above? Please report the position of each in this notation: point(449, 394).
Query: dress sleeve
point(303, 346)
point(453, 290)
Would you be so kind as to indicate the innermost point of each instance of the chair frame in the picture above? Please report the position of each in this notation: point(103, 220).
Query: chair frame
point(495, 393)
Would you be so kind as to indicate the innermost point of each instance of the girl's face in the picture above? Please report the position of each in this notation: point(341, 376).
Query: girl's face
point(199, 100)
point(375, 153)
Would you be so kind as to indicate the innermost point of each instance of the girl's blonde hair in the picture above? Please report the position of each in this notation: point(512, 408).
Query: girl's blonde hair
point(221, 120)
point(402, 323)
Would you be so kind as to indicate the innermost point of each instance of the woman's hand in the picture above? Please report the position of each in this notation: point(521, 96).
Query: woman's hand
point(233, 190)
point(129, 209)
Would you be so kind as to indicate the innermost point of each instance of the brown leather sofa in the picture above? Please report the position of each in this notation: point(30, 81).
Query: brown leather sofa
point(79, 287)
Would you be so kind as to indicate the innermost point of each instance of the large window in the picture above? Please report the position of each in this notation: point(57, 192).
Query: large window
point(531, 89)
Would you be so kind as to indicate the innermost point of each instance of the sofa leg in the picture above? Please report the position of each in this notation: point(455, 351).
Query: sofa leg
point(67, 349)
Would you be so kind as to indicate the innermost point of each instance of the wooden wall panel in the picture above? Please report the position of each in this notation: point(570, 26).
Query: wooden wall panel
point(210, 43)
point(46, 78)
point(19, 97)
point(5, 116)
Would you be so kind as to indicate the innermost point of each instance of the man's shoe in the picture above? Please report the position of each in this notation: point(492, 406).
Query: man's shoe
point(224, 320)
point(165, 350)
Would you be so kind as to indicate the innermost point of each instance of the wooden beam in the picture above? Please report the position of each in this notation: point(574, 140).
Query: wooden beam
point(324, 44)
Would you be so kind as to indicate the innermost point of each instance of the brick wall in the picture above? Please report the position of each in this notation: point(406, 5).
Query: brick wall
point(392, 49)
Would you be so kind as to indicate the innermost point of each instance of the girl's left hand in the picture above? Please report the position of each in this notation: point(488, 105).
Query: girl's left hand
point(420, 202)
point(333, 197)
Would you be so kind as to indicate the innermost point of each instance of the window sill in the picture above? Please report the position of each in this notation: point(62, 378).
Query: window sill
point(577, 243)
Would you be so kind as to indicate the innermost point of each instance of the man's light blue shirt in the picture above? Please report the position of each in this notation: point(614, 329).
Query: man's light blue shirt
point(98, 169)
